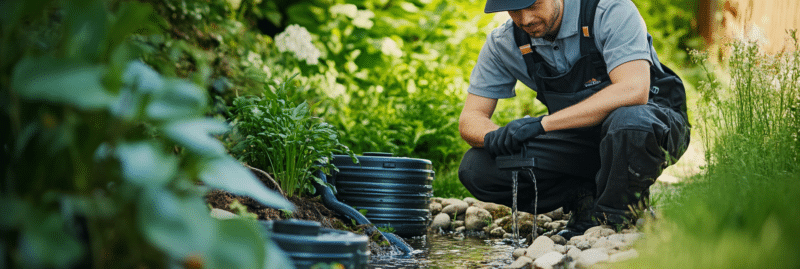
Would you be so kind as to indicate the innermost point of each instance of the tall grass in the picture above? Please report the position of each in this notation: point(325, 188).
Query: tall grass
point(743, 212)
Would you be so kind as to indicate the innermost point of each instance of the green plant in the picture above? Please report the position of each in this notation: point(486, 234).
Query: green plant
point(741, 212)
point(103, 155)
point(271, 132)
point(386, 228)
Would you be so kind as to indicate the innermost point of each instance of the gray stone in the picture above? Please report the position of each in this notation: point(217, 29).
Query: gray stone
point(549, 260)
point(521, 263)
point(477, 218)
point(558, 239)
point(539, 247)
point(574, 253)
point(552, 226)
point(560, 249)
point(624, 256)
point(518, 253)
point(222, 214)
point(435, 208)
point(460, 229)
point(557, 214)
point(497, 232)
point(590, 257)
point(456, 224)
point(609, 242)
point(583, 245)
point(471, 201)
point(598, 231)
point(508, 236)
point(456, 209)
point(442, 221)
point(452, 201)
point(436, 199)
point(542, 219)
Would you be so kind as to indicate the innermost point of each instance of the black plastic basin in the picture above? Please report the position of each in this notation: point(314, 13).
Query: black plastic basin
point(307, 244)
point(394, 191)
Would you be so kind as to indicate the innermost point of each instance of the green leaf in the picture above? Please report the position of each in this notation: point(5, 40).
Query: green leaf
point(141, 78)
point(228, 174)
point(178, 226)
point(195, 135)
point(43, 242)
point(57, 81)
point(180, 100)
point(144, 164)
point(239, 244)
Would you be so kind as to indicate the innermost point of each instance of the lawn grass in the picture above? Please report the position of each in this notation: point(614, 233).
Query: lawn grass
point(743, 211)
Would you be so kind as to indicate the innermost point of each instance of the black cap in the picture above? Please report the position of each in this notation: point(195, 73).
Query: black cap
point(506, 5)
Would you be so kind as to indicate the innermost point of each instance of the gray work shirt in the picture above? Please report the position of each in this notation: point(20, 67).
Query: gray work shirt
point(619, 33)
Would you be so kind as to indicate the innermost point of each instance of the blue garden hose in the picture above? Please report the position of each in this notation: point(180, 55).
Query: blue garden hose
point(330, 201)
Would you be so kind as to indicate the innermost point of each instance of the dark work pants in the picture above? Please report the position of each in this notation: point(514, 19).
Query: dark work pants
point(615, 162)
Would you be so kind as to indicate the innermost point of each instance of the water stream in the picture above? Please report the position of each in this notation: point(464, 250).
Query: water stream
point(450, 250)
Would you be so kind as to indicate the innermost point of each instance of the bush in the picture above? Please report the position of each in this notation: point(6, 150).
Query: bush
point(272, 133)
point(741, 212)
point(103, 155)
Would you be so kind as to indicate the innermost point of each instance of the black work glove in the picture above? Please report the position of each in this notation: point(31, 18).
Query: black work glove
point(508, 139)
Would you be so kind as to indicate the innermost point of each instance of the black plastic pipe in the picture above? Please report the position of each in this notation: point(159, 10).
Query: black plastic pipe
point(330, 201)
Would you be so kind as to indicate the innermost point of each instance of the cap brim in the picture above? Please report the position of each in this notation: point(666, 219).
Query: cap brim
point(493, 6)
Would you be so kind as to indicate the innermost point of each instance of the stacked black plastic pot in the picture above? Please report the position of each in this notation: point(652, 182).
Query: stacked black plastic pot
point(394, 191)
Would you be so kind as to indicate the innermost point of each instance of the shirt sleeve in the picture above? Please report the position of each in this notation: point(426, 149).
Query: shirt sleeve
point(491, 77)
point(621, 33)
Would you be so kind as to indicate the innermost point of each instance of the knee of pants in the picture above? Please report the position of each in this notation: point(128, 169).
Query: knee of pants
point(646, 118)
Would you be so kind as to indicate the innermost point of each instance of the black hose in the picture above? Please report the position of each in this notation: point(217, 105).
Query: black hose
point(330, 201)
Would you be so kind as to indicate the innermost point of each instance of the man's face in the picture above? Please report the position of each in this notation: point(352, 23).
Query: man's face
point(540, 20)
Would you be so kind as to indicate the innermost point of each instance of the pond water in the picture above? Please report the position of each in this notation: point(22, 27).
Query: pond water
point(450, 251)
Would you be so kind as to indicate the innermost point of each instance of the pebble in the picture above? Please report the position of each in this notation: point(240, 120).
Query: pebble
point(435, 208)
point(456, 224)
point(624, 256)
point(460, 229)
point(556, 214)
point(518, 253)
point(574, 253)
point(590, 257)
point(583, 245)
point(539, 247)
point(549, 260)
point(558, 239)
point(455, 210)
point(497, 232)
point(477, 218)
point(442, 221)
point(471, 201)
point(522, 262)
point(598, 231)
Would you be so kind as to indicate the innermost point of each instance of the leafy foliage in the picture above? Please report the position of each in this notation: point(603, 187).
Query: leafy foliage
point(271, 132)
point(103, 154)
point(740, 213)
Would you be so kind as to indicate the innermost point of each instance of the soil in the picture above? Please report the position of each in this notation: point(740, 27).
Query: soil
point(305, 209)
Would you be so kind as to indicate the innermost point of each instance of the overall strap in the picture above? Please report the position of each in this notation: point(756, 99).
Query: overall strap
point(588, 46)
point(523, 41)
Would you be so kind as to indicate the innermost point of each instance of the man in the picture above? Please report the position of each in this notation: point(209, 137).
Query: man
point(617, 117)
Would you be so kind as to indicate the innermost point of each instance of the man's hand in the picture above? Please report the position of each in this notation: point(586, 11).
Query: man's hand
point(508, 140)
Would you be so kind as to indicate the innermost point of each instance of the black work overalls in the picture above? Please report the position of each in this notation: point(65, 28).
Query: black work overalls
point(615, 162)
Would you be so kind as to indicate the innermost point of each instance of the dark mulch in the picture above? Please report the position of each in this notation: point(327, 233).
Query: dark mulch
point(305, 209)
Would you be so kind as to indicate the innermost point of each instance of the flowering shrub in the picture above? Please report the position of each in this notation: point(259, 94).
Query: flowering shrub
point(297, 40)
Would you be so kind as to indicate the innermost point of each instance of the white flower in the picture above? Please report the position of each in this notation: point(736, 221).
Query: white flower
point(254, 59)
point(362, 19)
point(348, 10)
point(297, 39)
point(257, 112)
point(390, 48)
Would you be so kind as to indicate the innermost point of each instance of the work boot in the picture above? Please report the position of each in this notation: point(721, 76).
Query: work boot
point(581, 218)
